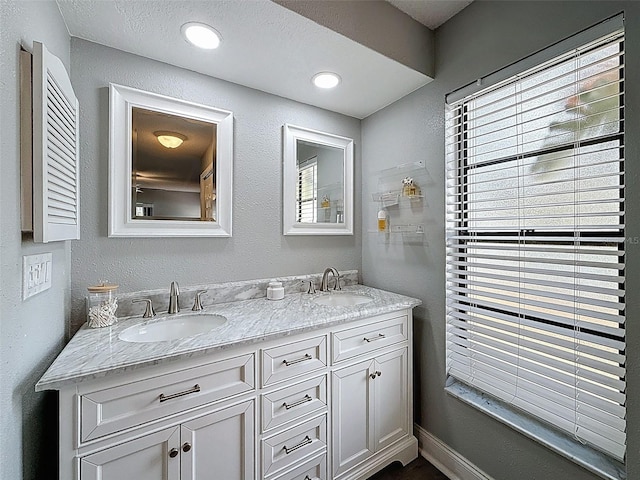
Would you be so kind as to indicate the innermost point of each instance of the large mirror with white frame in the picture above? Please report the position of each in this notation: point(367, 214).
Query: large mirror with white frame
point(318, 183)
point(170, 166)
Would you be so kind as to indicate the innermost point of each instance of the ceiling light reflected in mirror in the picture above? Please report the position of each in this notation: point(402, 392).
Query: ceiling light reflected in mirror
point(201, 35)
point(170, 139)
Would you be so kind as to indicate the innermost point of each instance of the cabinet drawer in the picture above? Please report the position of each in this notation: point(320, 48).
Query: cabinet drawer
point(294, 446)
point(315, 469)
point(357, 341)
point(289, 403)
point(114, 409)
point(288, 361)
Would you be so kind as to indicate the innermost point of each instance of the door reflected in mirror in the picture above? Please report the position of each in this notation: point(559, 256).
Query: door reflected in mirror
point(173, 167)
point(318, 183)
point(170, 166)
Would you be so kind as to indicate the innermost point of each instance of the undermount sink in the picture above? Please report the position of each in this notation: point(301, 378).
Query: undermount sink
point(172, 328)
point(342, 299)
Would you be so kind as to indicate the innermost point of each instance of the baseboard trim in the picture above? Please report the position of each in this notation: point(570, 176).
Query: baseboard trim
point(404, 451)
point(445, 459)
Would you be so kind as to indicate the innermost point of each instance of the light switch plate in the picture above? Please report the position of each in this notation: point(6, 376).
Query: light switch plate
point(36, 274)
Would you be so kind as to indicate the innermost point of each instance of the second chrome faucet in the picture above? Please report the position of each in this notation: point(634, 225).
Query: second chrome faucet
point(324, 283)
point(174, 298)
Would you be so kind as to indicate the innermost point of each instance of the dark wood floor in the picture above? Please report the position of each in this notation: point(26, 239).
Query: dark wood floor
point(419, 469)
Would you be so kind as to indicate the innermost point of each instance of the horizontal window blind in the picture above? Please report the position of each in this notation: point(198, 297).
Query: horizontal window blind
point(535, 242)
point(307, 192)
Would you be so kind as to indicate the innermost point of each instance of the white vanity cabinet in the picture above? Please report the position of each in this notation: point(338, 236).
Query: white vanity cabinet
point(219, 445)
point(294, 404)
point(142, 458)
point(370, 399)
point(333, 403)
point(220, 442)
point(165, 424)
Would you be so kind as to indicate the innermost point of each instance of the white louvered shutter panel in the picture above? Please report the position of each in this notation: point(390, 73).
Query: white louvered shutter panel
point(536, 242)
point(55, 150)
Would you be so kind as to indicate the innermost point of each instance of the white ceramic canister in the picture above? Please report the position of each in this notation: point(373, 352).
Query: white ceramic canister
point(102, 303)
point(275, 291)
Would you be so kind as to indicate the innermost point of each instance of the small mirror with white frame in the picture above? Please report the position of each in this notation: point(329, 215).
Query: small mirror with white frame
point(170, 166)
point(317, 183)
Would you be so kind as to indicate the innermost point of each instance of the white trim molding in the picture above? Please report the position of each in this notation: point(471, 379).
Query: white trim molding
point(122, 101)
point(445, 459)
point(291, 226)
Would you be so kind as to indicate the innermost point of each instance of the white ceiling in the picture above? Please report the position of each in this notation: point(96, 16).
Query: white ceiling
point(265, 46)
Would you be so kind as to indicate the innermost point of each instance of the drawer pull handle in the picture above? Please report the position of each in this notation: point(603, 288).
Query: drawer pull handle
point(304, 442)
point(375, 374)
point(186, 447)
point(195, 389)
point(289, 406)
point(306, 477)
point(379, 337)
point(288, 363)
point(173, 453)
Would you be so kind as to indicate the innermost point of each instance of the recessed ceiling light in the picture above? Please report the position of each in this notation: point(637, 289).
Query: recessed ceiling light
point(170, 139)
point(201, 35)
point(326, 80)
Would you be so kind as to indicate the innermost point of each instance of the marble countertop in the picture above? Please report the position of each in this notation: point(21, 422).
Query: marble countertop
point(94, 353)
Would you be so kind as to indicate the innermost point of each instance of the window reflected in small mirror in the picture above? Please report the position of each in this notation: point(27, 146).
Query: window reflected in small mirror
point(320, 189)
point(317, 182)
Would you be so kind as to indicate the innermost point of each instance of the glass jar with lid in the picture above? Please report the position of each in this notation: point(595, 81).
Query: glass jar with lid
point(102, 303)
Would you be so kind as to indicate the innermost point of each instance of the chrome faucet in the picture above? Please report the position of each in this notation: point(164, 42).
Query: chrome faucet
point(174, 298)
point(324, 283)
point(312, 287)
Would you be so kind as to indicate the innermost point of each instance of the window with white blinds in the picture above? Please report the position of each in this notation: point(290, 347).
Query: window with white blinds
point(536, 242)
point(307, 192)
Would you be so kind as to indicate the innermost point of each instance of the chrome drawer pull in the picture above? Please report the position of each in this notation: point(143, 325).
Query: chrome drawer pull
point(306, 399)
point(304, 442)
point(195, 389)
point(379, 337)
point(288, 363)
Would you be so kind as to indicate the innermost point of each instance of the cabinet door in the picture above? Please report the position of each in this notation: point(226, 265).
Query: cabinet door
point(220, 445)
point(390, 398)
point(353, 430)
point(146, 458)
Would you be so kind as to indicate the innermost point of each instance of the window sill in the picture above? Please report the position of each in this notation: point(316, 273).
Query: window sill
point(565, 445)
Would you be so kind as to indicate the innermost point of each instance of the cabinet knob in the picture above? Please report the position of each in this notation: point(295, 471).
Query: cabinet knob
point(173, 453)
point(375, 374)
point(186, 447)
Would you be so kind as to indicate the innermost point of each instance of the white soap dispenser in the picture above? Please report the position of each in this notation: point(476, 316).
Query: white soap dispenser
point(275, 291)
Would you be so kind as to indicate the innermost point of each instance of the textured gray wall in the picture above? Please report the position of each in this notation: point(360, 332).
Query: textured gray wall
point(485, 37)
point(257, 249)
point(32, 332)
